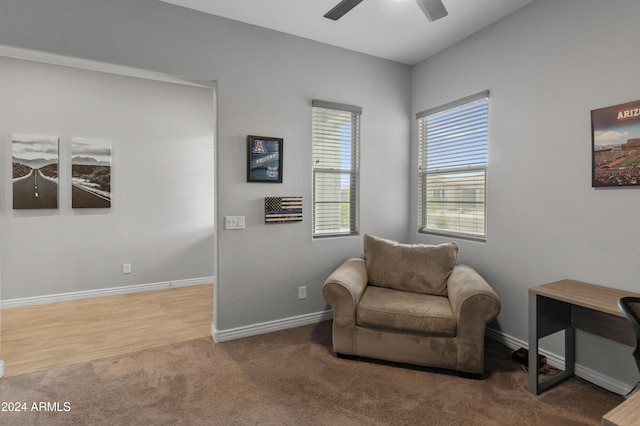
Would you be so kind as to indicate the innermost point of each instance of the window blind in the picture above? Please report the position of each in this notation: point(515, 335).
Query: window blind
point(452, 168)
point(336, 138)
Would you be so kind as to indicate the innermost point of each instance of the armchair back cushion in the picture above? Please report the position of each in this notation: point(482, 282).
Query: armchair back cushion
point(417, 268)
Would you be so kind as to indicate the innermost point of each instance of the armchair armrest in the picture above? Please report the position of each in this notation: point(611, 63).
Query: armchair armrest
point(344, 287)
point(343, 290)
point(474, 304)
point(471, 296)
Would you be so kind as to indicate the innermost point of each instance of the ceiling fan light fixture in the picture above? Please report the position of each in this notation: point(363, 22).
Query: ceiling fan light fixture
point(433, 9)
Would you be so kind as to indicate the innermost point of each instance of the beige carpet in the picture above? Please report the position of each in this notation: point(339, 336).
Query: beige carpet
point(290, 377)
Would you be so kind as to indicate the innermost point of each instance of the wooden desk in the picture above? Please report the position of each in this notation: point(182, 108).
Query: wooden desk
point(567, 305)
point(625, 414)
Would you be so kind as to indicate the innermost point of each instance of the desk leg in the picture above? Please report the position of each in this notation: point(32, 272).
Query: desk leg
point(533, 344)
point(547, 317)
point(570, 351)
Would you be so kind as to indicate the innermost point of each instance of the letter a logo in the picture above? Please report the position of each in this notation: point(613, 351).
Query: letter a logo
point(258, 147)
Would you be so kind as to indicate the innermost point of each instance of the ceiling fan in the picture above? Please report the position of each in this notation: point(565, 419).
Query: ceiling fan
point(433, 9)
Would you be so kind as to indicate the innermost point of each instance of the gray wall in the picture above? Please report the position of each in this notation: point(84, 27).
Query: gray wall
point(161, 215)
point(266, 81)
point(547, 66)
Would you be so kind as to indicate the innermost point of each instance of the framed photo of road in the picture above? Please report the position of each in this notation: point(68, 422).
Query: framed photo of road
point(616, 145)
point(90, 173)
point(35, 171)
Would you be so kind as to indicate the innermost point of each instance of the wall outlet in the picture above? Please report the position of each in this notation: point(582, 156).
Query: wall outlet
point(126, 268)
point(302, 292)
point(1, 368)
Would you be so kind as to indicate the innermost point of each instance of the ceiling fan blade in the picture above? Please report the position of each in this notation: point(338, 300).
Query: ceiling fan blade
point(341, 8)
point(433, 9)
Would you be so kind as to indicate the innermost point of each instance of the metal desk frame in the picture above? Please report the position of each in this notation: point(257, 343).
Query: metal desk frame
point(567, 305)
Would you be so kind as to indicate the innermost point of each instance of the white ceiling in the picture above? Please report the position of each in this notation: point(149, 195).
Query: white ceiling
point(390, 29)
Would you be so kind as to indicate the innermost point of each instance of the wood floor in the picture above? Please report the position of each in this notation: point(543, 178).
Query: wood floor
point(45, 336)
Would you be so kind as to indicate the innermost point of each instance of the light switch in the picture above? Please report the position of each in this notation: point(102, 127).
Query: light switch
point(234, 222)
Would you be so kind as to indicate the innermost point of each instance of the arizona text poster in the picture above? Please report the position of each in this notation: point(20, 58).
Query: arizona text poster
point(616, 145)
point(264, 159)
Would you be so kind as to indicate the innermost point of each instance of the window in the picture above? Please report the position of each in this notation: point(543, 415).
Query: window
point(453, 167)
point(336, 138)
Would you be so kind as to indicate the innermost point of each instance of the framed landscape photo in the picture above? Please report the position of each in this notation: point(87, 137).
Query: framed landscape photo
point(90, 173)
point(35, 171)
point(264, 159)
point(616, 145)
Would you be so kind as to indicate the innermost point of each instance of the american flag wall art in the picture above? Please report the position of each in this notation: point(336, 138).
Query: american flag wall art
point(282, 209)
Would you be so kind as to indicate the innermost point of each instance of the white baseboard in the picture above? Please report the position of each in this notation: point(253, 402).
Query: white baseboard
point(557, 361)
point(269, 326)
point(113, 291)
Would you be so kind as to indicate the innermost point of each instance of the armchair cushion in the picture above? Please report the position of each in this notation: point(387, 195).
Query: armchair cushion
point(417, 268)
point(388, 309)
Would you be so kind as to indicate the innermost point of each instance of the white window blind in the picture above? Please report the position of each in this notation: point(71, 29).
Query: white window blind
point(452, 168)
point(336, 139)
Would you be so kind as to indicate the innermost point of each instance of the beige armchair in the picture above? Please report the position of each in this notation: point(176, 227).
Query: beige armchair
point(411, 304)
